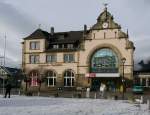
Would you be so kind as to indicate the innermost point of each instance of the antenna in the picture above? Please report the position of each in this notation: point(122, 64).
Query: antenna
point(5, 50)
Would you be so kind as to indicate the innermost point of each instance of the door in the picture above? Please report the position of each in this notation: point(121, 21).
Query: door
point(95, 84)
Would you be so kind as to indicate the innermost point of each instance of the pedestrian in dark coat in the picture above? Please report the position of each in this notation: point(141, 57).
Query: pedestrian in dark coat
point(8, 89)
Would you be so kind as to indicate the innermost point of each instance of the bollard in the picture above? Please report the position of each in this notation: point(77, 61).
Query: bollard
point(38, 94)
point(95, 96)
point(148, 104)
point(141, 100)
point(88, 93)
point(19, 93)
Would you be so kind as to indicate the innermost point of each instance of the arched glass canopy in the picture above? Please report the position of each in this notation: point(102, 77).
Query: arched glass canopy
point(104, 61)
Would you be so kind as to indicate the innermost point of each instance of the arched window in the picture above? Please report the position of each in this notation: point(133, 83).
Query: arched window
point(51, 78)
point(104, 61)
point(69, 77)
point(34, 78)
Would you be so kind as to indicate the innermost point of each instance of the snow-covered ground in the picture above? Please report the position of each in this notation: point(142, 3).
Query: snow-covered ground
point(21, 105)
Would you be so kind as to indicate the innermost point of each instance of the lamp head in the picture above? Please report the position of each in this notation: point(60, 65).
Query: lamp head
point(123, 60)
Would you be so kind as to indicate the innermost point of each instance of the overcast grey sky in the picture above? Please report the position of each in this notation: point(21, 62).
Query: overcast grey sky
point(19, 18)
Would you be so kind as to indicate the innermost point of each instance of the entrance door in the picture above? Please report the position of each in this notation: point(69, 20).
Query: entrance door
point(95, 84)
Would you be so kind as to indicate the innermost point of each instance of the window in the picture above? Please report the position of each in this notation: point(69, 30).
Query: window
point(55, 46)
point(51, 58)
point(69, 78)
point(34, 59)
point(35, 45)
point(51, 78)
point(34, 78)
point(104, 61)
point(70, 46)
point(143, 81)
point(68, 58)
point(148, 82)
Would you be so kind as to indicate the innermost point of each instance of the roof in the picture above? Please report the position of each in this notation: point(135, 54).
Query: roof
point(58, 37)
point(105, 16)
point(66, 37)
point(144, 67)
point(11, 71)
point(39, 33)
point(76, 36)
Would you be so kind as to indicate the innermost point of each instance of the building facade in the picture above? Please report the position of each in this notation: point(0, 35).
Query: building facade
point(142, 75)
point(75, 59)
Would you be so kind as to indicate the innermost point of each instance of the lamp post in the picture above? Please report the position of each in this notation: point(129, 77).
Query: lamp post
point(123, 60)
point(18, 85)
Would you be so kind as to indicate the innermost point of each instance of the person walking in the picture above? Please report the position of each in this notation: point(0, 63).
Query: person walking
point(102, 89)
point(8, 89)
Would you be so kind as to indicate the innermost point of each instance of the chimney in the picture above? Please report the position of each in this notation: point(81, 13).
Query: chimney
point(85, 29)
point(52, 31)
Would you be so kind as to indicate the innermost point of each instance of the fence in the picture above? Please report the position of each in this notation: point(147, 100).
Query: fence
point(14, 91)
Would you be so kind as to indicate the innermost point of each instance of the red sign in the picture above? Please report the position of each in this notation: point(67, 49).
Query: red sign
point(91, 75)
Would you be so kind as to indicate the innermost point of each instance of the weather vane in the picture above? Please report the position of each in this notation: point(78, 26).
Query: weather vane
point(105, 4)
point(39, 26)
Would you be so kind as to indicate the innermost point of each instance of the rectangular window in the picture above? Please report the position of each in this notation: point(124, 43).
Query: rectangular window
point(51, 58)
point(55, 46)
point(35, 45)
point(34, 59)
point(70, 46)
point(68, 58)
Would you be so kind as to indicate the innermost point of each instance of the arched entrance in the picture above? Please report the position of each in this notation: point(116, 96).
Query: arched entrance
point(104, 66)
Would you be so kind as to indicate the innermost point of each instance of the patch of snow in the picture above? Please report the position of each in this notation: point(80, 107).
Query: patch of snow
point(21, 105)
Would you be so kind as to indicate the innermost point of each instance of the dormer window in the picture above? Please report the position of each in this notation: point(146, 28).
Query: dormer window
point(70, 46)
point(35, 45)
point(55, 46)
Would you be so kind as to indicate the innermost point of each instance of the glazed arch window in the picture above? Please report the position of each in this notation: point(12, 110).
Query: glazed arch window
point(69, 78)
point(104, 61)
point(51, 78)
point(34, 78)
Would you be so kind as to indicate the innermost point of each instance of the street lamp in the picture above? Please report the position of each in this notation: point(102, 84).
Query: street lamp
point(123, 60)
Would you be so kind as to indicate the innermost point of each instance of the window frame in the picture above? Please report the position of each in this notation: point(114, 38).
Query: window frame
point(53, 78)
point(70, 78)
point(34, 78)
point(67, 58)
point(70, 46)
point(55, 46)
point(36, 59)
point(53, 58)
point(34, 45)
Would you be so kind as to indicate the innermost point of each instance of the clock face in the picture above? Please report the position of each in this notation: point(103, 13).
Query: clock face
point(105, 25)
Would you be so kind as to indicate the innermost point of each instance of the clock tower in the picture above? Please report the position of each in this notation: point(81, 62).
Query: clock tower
point(105, 21)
